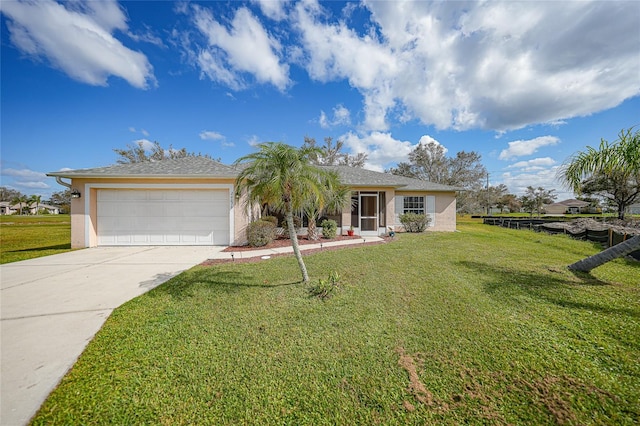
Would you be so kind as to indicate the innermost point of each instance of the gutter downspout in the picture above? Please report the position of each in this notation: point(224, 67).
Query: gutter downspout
point(63, 183)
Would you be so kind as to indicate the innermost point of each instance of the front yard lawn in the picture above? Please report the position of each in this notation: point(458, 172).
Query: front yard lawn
point(484, 326)
point(26, 237)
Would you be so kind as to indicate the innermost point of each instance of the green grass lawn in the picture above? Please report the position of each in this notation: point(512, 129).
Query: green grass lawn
point(481, 326)
point(26, 237)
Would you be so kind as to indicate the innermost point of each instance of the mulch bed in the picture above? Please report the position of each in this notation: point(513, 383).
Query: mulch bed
point(239, 252)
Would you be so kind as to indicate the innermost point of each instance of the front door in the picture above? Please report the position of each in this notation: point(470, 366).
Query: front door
point(369, 213)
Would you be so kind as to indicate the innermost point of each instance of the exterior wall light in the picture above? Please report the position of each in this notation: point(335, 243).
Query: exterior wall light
point(75, 194)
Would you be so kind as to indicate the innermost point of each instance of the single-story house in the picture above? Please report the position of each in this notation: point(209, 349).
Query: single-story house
point(6, 208)
point(568, 207)
point(191, 201)
point(634, 208)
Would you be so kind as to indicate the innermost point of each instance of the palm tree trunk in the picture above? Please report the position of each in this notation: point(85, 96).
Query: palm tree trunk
point(312, 229)
point(619, 250)
point(296, 247)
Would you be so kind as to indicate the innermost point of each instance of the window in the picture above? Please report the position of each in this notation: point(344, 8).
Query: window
point(413, 205)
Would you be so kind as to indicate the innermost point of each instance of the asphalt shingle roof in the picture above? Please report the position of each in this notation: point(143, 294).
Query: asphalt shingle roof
point(205, 167)
point(355, 177)
point(179, 167)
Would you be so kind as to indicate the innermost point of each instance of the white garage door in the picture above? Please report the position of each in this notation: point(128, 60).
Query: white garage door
point(163, 217)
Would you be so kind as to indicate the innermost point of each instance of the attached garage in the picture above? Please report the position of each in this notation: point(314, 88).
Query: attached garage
point(162, 217)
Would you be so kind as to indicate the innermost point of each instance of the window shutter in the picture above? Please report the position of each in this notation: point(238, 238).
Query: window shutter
point(430, 209)
point(399, 202)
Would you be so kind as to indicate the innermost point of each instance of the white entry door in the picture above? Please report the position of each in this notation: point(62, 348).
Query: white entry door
point(162, 217)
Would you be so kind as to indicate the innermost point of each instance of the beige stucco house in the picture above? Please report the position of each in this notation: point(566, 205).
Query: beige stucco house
point(191, 201)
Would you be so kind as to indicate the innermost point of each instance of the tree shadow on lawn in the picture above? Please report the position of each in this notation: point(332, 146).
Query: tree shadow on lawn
point(182, 286)
point(506, 285)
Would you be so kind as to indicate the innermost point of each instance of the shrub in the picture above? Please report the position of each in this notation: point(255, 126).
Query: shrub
point(325, 288)
point(329, 228)
point(260, 233)
point(414, 222)
point(271, 219)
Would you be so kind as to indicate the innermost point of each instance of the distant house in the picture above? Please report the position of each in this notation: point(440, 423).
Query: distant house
point(568, 207)
point(191, 201)
point(6, 208)
point(47, 207)
point(634, 208)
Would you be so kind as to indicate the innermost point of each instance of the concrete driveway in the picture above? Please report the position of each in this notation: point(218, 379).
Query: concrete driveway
point(51, 307)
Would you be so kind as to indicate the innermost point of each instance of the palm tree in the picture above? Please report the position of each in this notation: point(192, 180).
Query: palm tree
point(334, 197)
point(283, 178)
point(35, 199)
point(613, 170)
point(19, 200)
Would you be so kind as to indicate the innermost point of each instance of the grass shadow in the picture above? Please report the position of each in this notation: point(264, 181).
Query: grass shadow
point(506, 285)
point(65, 246)
point(182, 285)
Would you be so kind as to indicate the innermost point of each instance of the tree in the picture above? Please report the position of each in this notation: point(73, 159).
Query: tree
point(533, 200)
point(139, 154)
point(612, 171)
point(8, 194)
point(61, 199)
point(35, 199)
point(332, 155)
point(20, 200)
point(510, 201)
point(332, 199)
point(465, 170)
point(283, 178)
point(619, 250)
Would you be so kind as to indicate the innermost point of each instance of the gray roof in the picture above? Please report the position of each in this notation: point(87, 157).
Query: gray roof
point(189, 167)
point(359, 177)
point(180, 167)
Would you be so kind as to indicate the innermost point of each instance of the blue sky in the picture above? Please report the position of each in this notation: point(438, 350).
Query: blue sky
point(526, 84)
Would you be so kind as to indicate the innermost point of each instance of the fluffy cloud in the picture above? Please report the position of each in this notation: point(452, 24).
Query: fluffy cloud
point(533, 165)
point(209, 135)
point(25, 179)
point(527, 147)
point(274, 9)
point(246, 47)
point(77, 37)
point(341, 117)
point(381, 148)
point(545, 178)
point(492, 65)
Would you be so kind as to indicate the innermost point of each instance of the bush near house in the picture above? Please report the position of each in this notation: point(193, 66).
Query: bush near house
point(329, 228)
point(260, 233)
point(414, 222)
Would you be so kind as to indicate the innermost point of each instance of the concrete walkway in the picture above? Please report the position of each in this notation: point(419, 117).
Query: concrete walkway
point(51, 307)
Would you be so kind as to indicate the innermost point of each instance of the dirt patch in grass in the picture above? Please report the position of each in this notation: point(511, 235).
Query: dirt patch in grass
point(416, 387)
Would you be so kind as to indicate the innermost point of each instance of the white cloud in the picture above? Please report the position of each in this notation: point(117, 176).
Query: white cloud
point(545, 178)
point(426, 139)
point(521, 148)
point(246, 47)
point(493, 65)
point(341, 117)
point(533, 165)
point(273, 9)
point(24, 174)
point(210, 135)
point(77, 38)
point(381, 148)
